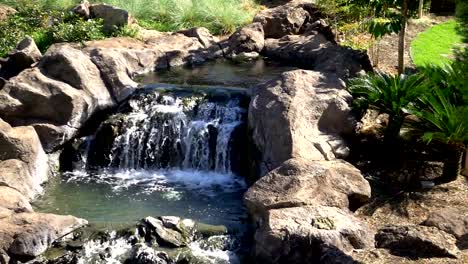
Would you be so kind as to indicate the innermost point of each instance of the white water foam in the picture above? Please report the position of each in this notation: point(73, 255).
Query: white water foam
point(167, 181)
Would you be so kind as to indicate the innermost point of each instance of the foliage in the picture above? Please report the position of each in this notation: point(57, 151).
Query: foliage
point(388, 94)
point(436, 45)
point(52, 26)
point(440, 120)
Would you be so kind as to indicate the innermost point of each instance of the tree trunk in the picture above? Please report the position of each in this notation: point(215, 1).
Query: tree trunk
point(401, 43)
point(420, 8)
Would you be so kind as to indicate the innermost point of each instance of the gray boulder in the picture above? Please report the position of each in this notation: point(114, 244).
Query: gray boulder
point(417, 241)
point(247, 40)
point(304, 234)
point(283, 20)
point(82, 9)
point(72, 66)
point(21, 58)
point(316, 52)
point(299, 182)
point(33, 98)
point(300, 114)
point(113, 17)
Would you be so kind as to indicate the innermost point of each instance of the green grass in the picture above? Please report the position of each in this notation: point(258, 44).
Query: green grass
point(435, 45)
point(219, 16)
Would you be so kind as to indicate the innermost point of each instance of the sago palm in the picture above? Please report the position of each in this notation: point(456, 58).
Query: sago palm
point(442, 121)
point(390, 94)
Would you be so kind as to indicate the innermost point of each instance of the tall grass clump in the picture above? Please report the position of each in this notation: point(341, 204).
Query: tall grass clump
point(219, 16)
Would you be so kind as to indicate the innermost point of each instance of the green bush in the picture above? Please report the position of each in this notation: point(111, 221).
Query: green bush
point(390, 94)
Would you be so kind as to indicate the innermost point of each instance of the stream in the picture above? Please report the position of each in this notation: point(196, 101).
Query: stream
point(177, 147)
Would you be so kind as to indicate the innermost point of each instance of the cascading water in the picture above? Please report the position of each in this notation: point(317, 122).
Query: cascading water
point(164, 131)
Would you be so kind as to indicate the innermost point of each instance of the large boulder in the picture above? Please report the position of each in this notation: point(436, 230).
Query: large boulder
point(285, 19)
point(299, 182)
point(300, 114)
point(249, 39)
point(417, 241)
point(72, 66)
point(316, 52)
point(305, 234)
point(32, 98)
point(21, 58)
point(20, 147)
point(27, 235)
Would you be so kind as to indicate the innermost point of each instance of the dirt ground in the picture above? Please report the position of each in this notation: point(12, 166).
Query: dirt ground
point(412, 208)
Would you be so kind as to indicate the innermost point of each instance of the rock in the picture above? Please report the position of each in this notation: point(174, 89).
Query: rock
point(417, 241)
point(29, 234)
point(113, 17)
point(372, 124)
point(13, 200)
point(166, 235)
point(25, 55)
point(303, 234)
point(15, 174)
point(203, 35)
point(82, 9)
point(449, 220)
point(143, 254)
point(245, 40)
point(20, 147)
point(72, 66)
point(5, 12)
point(314, 51)
point(283, 20)
point(299, 182)
point(115, 72)
point(296, 115)
point(32, 98)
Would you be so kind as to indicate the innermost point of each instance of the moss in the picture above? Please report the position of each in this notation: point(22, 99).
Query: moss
point(324, 223)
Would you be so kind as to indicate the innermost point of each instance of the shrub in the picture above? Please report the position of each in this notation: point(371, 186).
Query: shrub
point(438, 119)
point(390, 94)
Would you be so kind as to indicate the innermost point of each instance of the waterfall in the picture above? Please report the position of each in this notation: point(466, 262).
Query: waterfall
point(172, 131)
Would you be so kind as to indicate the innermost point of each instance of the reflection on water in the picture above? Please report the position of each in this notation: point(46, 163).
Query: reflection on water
point(127, 196)
point(226, 73)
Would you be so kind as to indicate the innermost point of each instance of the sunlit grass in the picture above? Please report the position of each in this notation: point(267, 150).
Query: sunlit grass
point(436, 45)
point(219, 16)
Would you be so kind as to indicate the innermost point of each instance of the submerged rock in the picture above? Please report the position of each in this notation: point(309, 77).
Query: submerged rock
point(417, 241)
point(299, 182)
point(166, 235)
point(299, 114)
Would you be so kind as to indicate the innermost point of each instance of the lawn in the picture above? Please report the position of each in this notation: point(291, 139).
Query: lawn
point(435, 45)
